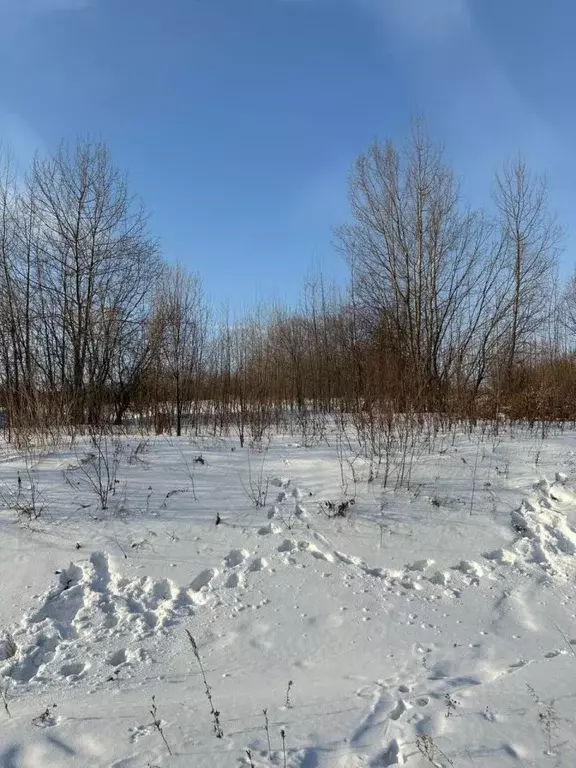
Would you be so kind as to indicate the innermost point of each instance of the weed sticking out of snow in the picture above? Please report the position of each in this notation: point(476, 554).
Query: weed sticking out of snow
point(158, 725)
point(214, 713)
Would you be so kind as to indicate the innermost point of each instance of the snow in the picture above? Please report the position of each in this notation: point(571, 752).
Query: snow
point(446, 610)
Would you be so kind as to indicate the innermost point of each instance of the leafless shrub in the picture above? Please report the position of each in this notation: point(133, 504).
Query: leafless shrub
point(258, 483)
point(99, 469)
point(25, 496)
point(138, 451)
point(432, 752)
point(348, 461)
point(548, 719)
point(190, 471)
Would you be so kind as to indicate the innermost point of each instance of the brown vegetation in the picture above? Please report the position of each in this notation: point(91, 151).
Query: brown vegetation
point(449, 310)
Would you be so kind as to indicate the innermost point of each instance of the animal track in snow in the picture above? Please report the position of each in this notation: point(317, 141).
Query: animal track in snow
point(238, 564)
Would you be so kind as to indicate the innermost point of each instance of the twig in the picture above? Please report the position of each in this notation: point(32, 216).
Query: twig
point(3, 694)
point(157, 723)
point(283, 735)
point(288, 702)
point(430, 750)
point(213, 711)
point(267, 729)
point(567, 642)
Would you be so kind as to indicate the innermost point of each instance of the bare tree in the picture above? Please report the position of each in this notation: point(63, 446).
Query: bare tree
point(9, 307)
point(423, 267)
point(530, 238)
point(96, 267)
point(183, 314)
point(444, 311)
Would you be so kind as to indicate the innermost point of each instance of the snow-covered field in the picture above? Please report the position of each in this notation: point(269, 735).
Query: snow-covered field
point(446, 610)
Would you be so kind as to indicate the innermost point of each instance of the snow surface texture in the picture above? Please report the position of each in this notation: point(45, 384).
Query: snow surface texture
point(446, 610)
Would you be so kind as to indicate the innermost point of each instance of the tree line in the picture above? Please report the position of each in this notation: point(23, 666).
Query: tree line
point(449, 309)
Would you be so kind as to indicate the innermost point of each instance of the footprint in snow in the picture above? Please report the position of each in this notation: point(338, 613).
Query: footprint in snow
point(234, 580)
point(73, 671)
point(390, 756)
point(400, 708)
point(236, 557)
point(117, 658)
point(266, 530)
point(306, 546)
point(280, 482)
point(203, 579)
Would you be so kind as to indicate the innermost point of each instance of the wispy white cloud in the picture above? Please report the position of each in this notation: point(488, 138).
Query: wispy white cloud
point(423, 20)
point(16, 17)
point(19, 138)
point(41, 6)
point(461, 84)
point(18, 11)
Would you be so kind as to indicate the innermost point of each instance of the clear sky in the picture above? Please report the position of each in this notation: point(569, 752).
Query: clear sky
point(238, 120)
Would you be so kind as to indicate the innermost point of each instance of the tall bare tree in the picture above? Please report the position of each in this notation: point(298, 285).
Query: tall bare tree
point(97, 262)
point(424, 268)
point(530, 238)
point(183, 315)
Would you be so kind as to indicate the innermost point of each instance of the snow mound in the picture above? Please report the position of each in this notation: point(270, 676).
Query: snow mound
point(92, 603)
point(545, 536)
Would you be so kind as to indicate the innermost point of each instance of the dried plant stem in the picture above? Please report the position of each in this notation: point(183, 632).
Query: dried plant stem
point(213, 711)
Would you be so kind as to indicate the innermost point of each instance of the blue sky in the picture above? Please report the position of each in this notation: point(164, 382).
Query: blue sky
point(238, 120)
